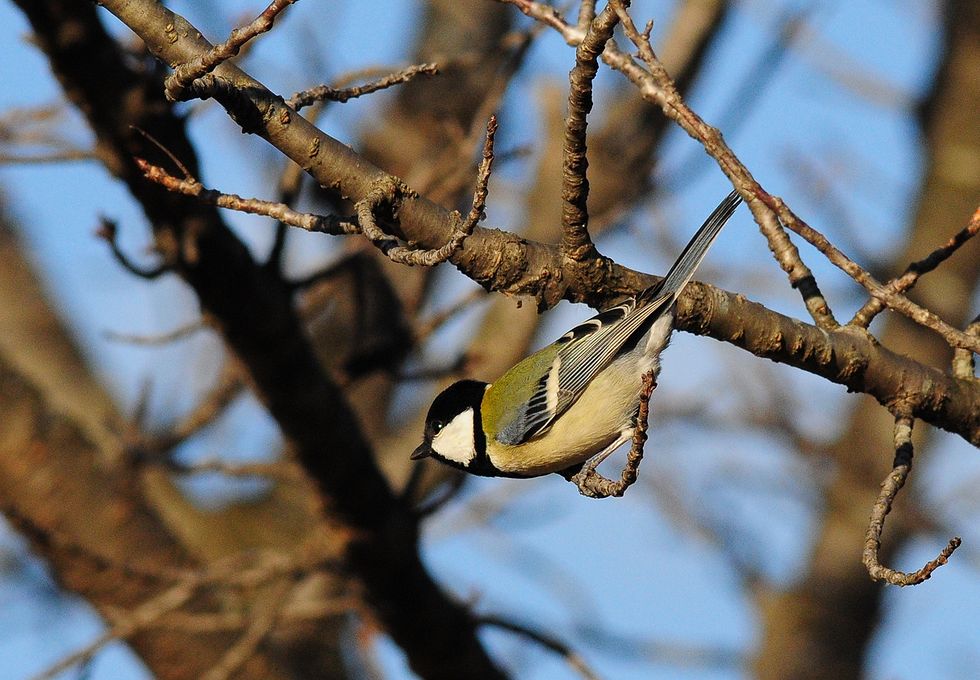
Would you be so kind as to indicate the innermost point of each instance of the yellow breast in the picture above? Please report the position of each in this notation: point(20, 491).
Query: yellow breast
point(589, 426)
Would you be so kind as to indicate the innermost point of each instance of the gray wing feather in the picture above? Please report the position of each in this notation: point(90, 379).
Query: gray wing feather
point(588, 349)
point(592, 345)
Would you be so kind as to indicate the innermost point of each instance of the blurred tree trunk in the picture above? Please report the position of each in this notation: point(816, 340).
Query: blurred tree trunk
point(67, 489)
point(822, 626)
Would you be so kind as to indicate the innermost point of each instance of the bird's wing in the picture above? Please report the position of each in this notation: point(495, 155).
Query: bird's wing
point(584, 351)
point(592, 345)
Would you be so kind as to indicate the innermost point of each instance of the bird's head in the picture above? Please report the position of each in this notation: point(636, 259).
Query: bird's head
point(454, 428)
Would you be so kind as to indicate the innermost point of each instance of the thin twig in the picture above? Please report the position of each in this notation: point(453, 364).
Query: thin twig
point(750, 91)
point(107, 232)
point(52, 537)
point(656, 85)
point(41, 129)
point(573, 658)
point(232, 621)
point(156, 339)
point(387, 193)
point(326, 224)
point(435, 321)
point(321, 93)
point(184, 170)
point(575, 241)
point(453, 368)
point(323, 274)
point(592, 484)
point(246, 570)
point(444, 179)
point(889, 489)
point(675, 107)
point(279, 470)
point(894, 300)
point(177, 84)
point(263, 618)
point(549, 16)
point(911, 275)
point(137, 620)
point(290, 184)
point(230, 384)
point(65, 156)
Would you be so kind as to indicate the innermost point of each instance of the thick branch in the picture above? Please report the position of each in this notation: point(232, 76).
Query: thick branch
point(507, 263)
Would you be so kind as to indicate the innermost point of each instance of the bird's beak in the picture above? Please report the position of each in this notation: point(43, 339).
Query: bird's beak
point(423, 451)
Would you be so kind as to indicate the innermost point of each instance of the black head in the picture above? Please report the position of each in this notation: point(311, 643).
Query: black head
point(454, 426)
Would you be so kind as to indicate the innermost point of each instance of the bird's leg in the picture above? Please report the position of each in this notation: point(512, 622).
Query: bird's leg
point(574, 471)
point(592, 484)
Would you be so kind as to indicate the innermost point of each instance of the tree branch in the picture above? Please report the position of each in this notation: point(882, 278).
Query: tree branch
point(177, 84)
point(908, 278)
point(507, 263)
point(189, 186)
point(889, 489)
point(575, 241)
point(252, 307)
point(320, 93)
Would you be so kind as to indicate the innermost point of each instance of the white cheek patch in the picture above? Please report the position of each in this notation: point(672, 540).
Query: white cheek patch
point(455, 441)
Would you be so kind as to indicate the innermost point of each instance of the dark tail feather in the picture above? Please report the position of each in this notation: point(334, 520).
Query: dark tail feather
point(687, 263)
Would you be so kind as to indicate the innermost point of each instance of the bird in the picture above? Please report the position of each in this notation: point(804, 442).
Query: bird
point(574, 401)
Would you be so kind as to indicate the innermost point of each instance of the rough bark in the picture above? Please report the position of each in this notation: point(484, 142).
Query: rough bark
point(510, 264)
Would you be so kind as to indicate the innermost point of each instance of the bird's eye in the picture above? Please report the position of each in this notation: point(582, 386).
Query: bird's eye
point(437, 425)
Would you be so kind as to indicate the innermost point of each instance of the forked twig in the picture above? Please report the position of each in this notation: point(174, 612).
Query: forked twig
point(894, 300)
point(240, 570)
point(178, 83)
point(655, 85)
point(136, 620)
point(910, 276)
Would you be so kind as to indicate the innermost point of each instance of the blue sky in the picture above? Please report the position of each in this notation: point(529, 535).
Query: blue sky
point(548, 558)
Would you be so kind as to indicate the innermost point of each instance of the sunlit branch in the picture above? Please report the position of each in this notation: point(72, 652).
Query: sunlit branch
point(911, 275)
point(575, 241)
point(326, 224)
point(893, 300)
point(889, 489)
point(321, 93)
point(177, 84)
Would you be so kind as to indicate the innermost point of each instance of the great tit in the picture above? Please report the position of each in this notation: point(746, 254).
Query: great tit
point(574, 400)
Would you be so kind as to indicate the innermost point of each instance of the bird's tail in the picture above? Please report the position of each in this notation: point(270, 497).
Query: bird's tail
point(686, 264)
